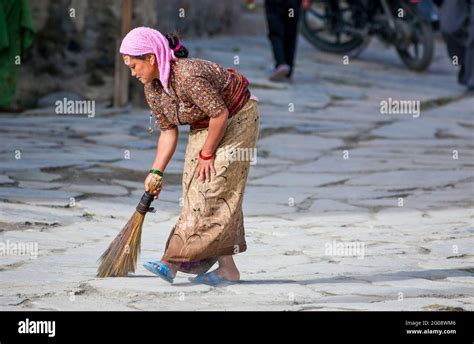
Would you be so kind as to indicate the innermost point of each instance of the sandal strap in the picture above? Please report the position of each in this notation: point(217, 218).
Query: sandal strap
point(213, 277)
point(162, 267)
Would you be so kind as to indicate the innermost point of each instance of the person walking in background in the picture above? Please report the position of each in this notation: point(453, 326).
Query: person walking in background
point(457, 27)
point(282, 19)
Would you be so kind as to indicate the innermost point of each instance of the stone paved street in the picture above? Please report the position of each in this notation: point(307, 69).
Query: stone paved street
point(334, 172)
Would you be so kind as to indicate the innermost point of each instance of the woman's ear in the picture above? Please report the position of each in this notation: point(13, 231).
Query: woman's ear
point(152, 59)
point(126, 59)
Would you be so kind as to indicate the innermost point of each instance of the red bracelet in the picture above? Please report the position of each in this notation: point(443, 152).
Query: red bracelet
point(205, 157)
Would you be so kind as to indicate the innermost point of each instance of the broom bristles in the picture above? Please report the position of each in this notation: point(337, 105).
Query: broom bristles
point(121, 256)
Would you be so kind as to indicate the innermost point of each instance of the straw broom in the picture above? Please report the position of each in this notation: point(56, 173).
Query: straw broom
point(120, 258)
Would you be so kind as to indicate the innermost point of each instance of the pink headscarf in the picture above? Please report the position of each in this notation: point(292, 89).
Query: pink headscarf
point(145, 40)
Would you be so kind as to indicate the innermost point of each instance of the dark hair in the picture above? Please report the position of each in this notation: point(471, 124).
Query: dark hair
point(173, 41)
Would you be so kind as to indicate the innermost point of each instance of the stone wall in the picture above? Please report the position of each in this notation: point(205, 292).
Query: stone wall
point(76, 42)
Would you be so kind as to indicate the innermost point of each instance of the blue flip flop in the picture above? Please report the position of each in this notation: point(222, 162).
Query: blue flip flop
point(160, 269)
point(211, 279)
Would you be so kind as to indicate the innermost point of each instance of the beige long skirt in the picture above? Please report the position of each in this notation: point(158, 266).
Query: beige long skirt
point(211, 223)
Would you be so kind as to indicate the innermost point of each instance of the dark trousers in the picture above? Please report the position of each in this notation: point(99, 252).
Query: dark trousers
point(457, 27)
point(283, 29)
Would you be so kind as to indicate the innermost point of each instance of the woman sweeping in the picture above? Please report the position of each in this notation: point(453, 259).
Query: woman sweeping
point(224, 122)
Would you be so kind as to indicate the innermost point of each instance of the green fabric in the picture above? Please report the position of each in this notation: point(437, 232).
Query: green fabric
point(16, 36)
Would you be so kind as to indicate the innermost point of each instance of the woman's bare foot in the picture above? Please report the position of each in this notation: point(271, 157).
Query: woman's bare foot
point(227, 269)
point(171, 266)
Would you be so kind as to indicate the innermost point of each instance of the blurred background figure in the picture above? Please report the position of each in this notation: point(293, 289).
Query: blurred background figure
point(250, 4)
point(282, 19)
point(428, 10)
point(16, 36)
point(457, 27)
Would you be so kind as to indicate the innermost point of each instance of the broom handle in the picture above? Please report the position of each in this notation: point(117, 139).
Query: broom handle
point(145, 202)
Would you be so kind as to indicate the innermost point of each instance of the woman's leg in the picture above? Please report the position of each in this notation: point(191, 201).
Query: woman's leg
point(227, 269)
point(171, 266)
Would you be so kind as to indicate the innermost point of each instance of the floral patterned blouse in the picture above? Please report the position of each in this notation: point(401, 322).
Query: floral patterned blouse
point(198, 90)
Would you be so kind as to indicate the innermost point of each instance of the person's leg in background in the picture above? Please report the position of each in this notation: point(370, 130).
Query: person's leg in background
point(275, 12)
point(291, 32)
point(453, 17)
point(469, 57)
